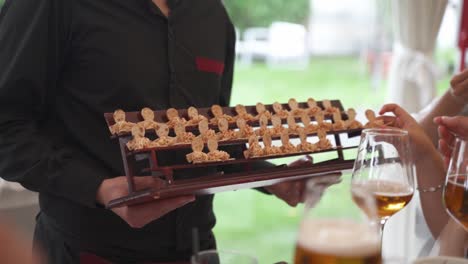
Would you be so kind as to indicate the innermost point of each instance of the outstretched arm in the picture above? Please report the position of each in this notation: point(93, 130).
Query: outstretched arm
point(429, 166)
point(451, 103)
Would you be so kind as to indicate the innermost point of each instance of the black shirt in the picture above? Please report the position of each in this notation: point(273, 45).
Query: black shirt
point(63, 63)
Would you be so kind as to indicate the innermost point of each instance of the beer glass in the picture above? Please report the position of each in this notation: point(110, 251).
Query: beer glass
point(385, 167)
point(334, 229)
point(456, 184)
point(222, 257)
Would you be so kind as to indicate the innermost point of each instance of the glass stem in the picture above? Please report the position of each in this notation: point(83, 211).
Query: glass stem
point(382, 227)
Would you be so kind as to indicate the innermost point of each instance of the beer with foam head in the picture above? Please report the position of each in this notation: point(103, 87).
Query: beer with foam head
point(333, 241)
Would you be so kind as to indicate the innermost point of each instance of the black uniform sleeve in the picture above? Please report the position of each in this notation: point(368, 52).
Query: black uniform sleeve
point(33, 45)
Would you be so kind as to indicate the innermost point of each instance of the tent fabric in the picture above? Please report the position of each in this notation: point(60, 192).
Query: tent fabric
point(412, 80)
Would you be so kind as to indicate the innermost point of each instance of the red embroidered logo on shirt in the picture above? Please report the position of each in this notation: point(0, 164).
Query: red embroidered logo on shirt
point(209, 65)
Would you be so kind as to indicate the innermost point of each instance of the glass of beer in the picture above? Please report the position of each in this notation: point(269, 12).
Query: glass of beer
point(334, 229)
point(456, 184)
point(385, 167)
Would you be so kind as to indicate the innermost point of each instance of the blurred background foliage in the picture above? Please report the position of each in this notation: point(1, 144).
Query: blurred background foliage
point(260, 13)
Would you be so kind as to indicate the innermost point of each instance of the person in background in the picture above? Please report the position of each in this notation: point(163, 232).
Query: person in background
point(451, 103)
point(431, 171)
point(66, 62)
point(14, 249)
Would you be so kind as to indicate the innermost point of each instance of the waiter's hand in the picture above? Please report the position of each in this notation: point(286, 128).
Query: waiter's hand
point(292, 192)
point(137, 216)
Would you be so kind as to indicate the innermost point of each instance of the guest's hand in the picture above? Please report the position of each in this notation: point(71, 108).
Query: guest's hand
point(449, 128)
point(292, 192)
point(403, 120)
point(459, 86)
point(137, 216)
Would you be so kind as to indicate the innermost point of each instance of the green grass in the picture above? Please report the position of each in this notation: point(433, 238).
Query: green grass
point(251, 222)
point(334, 78)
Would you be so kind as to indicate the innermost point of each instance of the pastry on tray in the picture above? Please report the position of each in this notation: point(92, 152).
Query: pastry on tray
point(338, 123)
point(321, 124)
point(305, 146)
point(313, 107)
point(279, 111)
point(121, 125)
point(261, 111)
point(197, 155)
point(328, 108)
point(254, 150)
point(174, 118)
point(224, 132)
point(242, 113)
point(218, 113)
point(139, 141)
point(286, 146)
point(194, 116)
point(244, 130)
point(163, 140)
point(148, 119)
point(214, 154)
point(182, 136)
point(263, 123)
point(269, 149)
point(278, 127)
point(352, 123)
point(292, 125)
point(294, 108)
point(323, 143)
point(307, 125)
point(373, 122)
point(205, 131)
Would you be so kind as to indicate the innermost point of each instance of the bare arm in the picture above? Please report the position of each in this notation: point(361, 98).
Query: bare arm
point(429, 166)
point(453, 240)
point(448, 105)
point(431, 173)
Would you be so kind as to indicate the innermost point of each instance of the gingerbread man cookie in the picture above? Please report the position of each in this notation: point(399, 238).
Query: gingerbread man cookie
point(121, 125)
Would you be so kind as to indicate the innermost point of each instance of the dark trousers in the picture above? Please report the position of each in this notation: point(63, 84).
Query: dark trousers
point(59, 248)
point(55, 247)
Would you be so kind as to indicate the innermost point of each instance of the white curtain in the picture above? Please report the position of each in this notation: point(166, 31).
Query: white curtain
point(412, 80)
point(412, 84)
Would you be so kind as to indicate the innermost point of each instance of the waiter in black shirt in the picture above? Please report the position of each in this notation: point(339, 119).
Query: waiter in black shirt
point(63, 63)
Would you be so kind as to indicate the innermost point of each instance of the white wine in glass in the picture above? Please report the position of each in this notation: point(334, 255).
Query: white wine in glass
point(390, 196)
point(384, 166)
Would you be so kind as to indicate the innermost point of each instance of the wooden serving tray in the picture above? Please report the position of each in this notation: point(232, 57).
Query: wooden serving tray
point(212, 184)
point(220, 182)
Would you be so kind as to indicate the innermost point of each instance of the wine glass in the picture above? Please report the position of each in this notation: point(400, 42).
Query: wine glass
point(334, 229)
point(385, 167)
point(456, 184)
